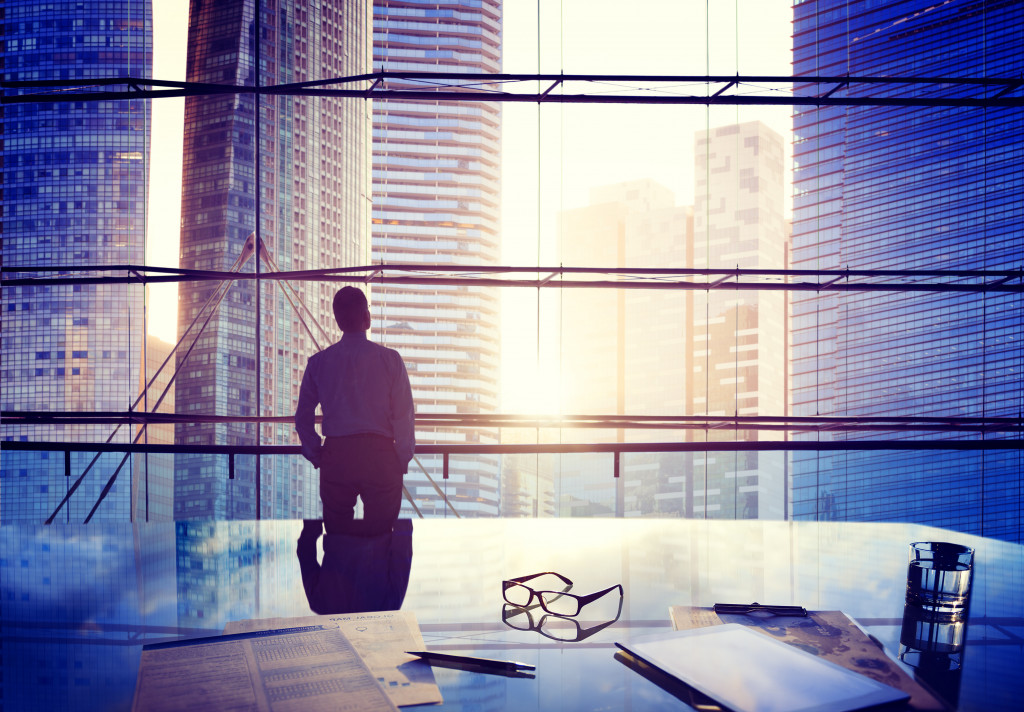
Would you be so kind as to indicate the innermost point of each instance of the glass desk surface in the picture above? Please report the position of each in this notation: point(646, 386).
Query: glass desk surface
point(80, 601)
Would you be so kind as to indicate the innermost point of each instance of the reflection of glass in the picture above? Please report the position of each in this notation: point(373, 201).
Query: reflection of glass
point(933, 644)
point(939, 576)
point(561, 628)
point(559, 603)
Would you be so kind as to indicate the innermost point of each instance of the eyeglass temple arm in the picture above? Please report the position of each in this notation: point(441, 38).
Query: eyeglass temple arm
point(584, 600)
point(524, 579)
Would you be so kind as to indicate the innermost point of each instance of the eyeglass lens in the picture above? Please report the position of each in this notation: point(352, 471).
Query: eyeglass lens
point(561, 604)
point(517, 594)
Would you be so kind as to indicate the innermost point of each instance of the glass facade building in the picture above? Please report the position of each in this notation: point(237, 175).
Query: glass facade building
point(909, 188)
point(74, 178)
point(301, 171)
point(154, 471)
point(436, 176)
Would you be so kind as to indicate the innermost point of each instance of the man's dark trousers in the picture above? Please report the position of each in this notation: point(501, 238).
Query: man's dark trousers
point(366, 466)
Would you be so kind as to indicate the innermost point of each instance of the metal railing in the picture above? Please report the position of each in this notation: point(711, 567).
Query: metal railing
point(448, 450)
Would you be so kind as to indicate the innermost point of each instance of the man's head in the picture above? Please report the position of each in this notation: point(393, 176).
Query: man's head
point(351, 309)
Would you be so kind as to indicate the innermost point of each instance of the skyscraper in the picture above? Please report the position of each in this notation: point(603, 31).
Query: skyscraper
point(739, 338)
point(436, 172)
point(888, 187)
point(624, 351)
point(74, 193)
point(153, 490)
point(300, 166)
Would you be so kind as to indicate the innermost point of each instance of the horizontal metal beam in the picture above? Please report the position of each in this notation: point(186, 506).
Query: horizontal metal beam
point(485, 78)
point(561, 270)
point(426, 281)
point(460, 449)
point(14, 418)
point(654, 278)
point(592, 89)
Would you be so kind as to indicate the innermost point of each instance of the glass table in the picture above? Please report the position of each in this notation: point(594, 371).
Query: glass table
point(79, 602)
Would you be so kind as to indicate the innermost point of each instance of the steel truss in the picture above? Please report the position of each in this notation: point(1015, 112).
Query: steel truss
point(560, 277)
point(656, 89)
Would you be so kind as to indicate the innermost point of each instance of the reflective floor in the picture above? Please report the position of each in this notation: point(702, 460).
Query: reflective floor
point(80, 601)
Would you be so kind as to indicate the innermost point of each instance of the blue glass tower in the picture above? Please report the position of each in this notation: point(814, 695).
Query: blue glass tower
point(299, 167)
point(881, 187)
point(74, 193)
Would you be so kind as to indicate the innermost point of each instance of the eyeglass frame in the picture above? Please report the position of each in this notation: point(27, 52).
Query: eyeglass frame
point(581, 601)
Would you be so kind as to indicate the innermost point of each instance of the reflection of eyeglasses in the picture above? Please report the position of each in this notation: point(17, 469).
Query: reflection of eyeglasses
point(559, 603)
point(560, 628)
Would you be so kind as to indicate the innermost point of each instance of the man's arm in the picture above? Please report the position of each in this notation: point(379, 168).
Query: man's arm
point(305, 417)
point(403, 414)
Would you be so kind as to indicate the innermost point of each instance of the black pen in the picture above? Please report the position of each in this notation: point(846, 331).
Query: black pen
point(431, 657)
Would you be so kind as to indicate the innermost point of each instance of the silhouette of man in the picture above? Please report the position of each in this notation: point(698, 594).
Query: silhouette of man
point(363, 390)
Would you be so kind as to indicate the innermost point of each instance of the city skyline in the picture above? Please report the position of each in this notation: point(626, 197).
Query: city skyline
point(775, 343)
point(573, 39)
point(947, 200)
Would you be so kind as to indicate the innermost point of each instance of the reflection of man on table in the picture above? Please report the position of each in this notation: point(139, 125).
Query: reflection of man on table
point(363, 390)
point(358, 573)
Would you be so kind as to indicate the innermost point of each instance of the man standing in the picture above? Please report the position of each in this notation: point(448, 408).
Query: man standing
point(369, 439)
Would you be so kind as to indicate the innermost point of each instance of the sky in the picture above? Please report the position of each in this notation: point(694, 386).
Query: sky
point(552, 155)
point(170, 32)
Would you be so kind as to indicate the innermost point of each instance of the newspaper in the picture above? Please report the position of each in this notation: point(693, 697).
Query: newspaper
point(381, 639)
point(309, 668)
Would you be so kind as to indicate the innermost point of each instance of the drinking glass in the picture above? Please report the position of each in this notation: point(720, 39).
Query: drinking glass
point(939, 576)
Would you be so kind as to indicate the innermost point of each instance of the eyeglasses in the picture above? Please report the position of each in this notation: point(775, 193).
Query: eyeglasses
point(560, 628)
point(559, 603)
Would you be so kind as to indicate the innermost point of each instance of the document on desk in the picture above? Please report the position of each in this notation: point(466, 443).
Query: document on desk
point(311, 668)
point(747, 671)
point(381, 639)
point(831, 635)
